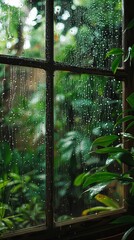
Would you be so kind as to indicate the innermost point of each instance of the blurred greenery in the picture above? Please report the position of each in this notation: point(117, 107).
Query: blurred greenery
point(85, 107)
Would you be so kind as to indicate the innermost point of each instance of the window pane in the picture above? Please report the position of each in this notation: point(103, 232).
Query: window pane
point(85, 30)
point(86, 107)
point(22, 26)
point(22, 147)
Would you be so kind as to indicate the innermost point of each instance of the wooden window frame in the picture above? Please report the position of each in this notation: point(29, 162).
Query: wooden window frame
point(83, 227)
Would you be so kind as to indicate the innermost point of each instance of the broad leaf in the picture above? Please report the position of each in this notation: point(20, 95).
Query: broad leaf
point(115, 63)
point(128, 219)
point(79, 180)
point(130, 100)
point(110, 150)
point(109, 202)
point(96, 189)
point(105, 140)
point(114, 51)
point(125, 157)
point(96, 209)
point(3, 183)
point(125, 119)
point(8, 222)
point(100, 177)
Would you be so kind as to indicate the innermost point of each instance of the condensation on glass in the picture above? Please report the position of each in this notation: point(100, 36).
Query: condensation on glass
point(22, 147)
point(86, 107)
point(22, 28)
point(86, 30)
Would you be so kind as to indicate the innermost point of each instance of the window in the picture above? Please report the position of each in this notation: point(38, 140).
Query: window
point(58, 94)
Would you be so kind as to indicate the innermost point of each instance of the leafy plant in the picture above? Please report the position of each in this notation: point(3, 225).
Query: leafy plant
point(119, 53)
point(100, 180)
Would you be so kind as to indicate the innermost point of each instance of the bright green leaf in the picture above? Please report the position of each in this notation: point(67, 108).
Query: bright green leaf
point(96, 209)
point(3, 184)
point(79, 180)
point(109, 202)
point(8, 222)
point(114, 51)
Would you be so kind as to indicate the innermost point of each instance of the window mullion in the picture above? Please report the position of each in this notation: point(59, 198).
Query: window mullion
point(49, 114)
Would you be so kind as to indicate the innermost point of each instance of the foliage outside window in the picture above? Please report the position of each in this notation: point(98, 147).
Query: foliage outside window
point(87, 101)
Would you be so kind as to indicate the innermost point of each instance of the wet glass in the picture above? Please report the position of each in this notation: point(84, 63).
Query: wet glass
point(22, 148)
point(86, 107)
point(22, 28)
point(85, 30)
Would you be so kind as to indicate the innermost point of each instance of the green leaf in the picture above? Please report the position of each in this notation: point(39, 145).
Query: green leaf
point(105, 140)
point(128, 219)
point(96, 209)
point(109, 202)
point(96, 189)
point(115, 51)
point(115, 63)
point(128, 54)
point(15, 176)
point(100, 177)
point(130, 100)
point(125, 157)
point(66, 156)
point(126, 180)
point(130, 25)
point(110, 150)
point(3, 183)
point(16, 188)
point(125, 119)
point(127, 135)
point(132, 53)
point(79, 180)
point(109, 161)
point(130, 125)
point(8, 222)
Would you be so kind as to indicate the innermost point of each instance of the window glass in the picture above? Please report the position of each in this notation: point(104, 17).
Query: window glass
point(86, 107)
point(22, 28)
point(22, 147)
point(85, 30)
